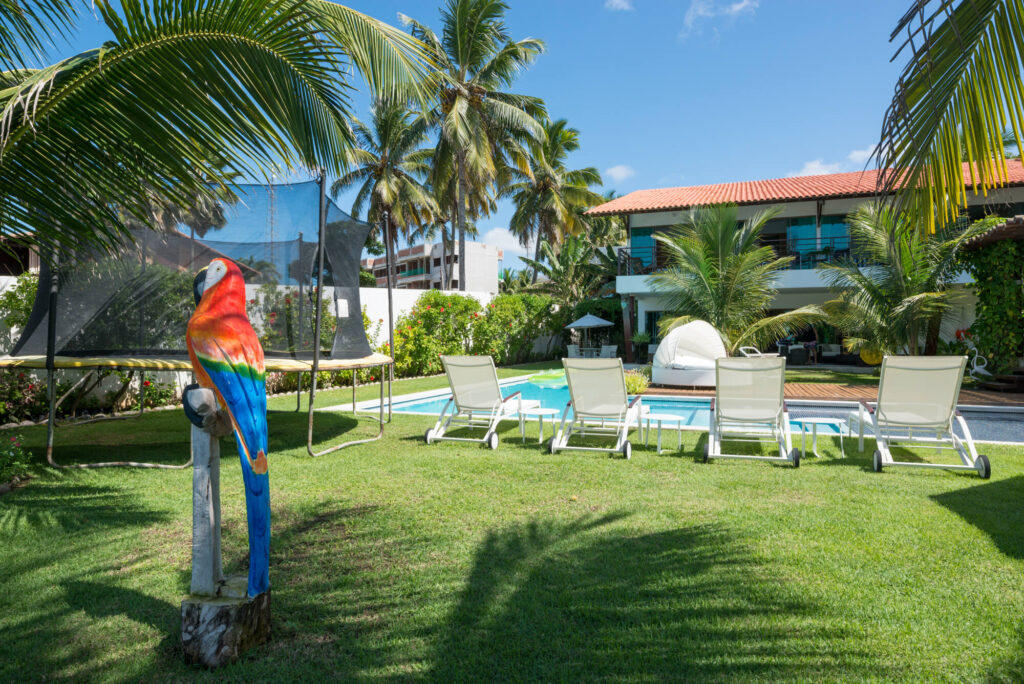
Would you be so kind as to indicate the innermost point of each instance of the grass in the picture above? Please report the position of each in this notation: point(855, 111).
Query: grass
point(398, 561)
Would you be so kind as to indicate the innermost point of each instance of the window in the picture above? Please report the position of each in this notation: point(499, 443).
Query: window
point(641, 243)
point(437, 261)
point(835, 234)
point(455, 284)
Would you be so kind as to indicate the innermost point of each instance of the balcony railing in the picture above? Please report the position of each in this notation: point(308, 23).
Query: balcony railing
point(806, 252)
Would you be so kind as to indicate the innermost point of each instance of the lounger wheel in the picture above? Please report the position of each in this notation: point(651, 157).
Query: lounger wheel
point(707, 452)
point(551, 446)
point(794, 456)
point(428, 436)
point(627, 450)
point(492, 441)
point(983, 466)
point(877, 461)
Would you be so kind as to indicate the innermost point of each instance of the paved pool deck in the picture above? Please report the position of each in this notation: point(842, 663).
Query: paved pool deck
point(826, 391)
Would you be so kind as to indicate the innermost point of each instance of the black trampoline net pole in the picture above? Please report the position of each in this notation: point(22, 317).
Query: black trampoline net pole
point(51, 352)
point(318, 304)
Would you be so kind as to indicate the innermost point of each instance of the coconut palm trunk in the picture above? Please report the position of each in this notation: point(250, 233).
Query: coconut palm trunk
point(461, 218)
point(389, 244)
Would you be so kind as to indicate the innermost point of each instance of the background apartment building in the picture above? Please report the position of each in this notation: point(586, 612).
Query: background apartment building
point(419, 268)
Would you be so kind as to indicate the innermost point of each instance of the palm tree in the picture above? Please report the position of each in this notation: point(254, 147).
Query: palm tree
point(387, 165)
point(481, 126)
point(606, 231)
point(511, 280)
point(720, 273)
point(964, 80)
point(892, 304)
point(570, 275)
point(107, 131)
point(549, 198)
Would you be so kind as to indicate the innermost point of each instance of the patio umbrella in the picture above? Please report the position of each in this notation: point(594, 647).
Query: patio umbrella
point(589, 321)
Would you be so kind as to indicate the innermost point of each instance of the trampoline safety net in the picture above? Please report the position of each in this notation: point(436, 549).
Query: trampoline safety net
point(137, 301)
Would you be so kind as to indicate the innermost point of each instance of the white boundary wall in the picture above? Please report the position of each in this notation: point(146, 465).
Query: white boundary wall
point(375, 301)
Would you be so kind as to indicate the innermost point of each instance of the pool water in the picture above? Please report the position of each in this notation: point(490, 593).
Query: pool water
point(694, 413)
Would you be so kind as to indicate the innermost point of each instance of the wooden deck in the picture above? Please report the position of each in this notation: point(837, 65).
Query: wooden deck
point(828, 391)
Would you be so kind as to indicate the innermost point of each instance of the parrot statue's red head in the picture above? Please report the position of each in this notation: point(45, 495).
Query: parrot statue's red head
point(221, 280)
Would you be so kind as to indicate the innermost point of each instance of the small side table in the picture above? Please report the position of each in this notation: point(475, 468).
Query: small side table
point(659, 418)
point(540, 412)
point(838, 423)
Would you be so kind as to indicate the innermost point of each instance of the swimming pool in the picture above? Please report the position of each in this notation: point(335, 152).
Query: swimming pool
point(986, 424)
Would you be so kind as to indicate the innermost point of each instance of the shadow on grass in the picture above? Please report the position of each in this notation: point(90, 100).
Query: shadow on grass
point(163, 437)
point(72, 507)
point(326, 614)
point(994, 508)
point(553, 602)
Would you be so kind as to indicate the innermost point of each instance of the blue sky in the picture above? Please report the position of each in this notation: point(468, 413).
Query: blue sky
point(688, 92)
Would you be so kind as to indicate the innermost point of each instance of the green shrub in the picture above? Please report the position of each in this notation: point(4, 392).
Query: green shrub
point(998, 328)
point(510, 325)
point(637, 381)
point(16, 302)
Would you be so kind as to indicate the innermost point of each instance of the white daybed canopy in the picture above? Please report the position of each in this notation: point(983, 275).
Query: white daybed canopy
point(687, 356)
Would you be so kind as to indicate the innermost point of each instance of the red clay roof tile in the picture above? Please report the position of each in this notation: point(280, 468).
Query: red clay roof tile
point(834, 185)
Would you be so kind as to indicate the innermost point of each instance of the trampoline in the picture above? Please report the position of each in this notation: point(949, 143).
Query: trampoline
point(128, 311)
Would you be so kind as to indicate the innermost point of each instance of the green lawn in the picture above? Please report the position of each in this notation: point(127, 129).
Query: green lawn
point(394, 560)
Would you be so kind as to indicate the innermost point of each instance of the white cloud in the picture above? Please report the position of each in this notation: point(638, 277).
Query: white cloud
point(620, 172)
point(618, 5)
point(854, 161)
point(817, 167)
point(700, 10)
point(503, 239)
point(860, 157)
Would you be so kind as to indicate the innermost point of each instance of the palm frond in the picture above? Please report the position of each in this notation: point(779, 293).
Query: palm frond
point(25, 26)
point(963, 83)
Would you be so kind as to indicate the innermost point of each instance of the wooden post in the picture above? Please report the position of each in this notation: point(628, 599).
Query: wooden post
point(207, 573)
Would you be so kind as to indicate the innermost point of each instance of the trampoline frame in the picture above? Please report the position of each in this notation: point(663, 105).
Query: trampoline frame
point(51, 363)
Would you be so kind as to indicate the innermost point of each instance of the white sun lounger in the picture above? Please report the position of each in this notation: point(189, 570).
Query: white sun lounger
point(749, 407)
point(477, 401)
point(916, 406)
point(599, 406)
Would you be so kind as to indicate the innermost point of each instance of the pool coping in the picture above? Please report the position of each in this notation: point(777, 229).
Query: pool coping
point(371, 404)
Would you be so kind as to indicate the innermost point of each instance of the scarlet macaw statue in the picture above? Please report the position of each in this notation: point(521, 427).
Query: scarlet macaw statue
point(227, 358)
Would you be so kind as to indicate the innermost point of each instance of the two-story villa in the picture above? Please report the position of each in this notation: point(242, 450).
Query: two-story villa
point(811, 227)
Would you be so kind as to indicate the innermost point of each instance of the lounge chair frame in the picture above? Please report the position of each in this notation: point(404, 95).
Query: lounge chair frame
point(454, 415)
point(590, 424)
point(939, 435)
point(774, 430)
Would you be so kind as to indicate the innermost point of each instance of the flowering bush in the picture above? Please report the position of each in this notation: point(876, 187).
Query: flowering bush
point(13, 458)
point(439, 324)
point(21, 396)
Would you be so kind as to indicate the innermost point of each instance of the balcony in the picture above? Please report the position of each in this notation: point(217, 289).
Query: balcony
point(807, 253)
